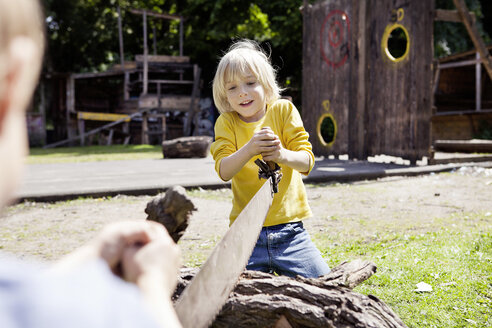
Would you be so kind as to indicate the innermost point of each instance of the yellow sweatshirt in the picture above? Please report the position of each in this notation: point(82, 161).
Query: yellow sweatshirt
point(231, 133)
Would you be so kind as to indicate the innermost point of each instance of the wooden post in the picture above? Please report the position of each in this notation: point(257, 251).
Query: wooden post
point(155, 40)
point(145, 129)
point(146, 53)
point(81, 125)
point(181, 36)
point(42, 110)
point(475, 36)
point(126, 86)
point(109, 142)
point(478, 84)
point(359, 119)
point(194, 95)
point(70, 104)
point(120, 37)
point(126, 80)
point(163, 117)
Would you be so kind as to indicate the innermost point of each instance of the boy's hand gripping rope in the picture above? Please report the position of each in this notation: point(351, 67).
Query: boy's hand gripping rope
point(270, 170)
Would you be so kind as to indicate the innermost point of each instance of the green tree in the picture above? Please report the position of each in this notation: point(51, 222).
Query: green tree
point(83, 34)
point(452, 38)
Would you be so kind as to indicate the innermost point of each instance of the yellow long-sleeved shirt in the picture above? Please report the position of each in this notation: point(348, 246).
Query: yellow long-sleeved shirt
point(231, 133)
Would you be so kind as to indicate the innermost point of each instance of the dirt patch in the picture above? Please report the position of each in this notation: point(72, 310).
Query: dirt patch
point(357, 211)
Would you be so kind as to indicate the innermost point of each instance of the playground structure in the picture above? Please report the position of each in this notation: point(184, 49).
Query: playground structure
point(369, 76)
point(130, 102)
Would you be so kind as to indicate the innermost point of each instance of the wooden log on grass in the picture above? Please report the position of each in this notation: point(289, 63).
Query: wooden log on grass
point(464, 146)
point(265, 300)
point(187, 147)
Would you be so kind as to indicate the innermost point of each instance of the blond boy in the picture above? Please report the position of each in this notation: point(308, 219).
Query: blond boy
point(255, 123)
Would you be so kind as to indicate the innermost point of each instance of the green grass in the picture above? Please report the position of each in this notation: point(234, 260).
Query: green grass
point(93, 154)
point(455, 261)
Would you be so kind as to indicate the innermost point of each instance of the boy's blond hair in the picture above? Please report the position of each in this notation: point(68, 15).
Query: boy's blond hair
point(19, 18)
point(242, 58)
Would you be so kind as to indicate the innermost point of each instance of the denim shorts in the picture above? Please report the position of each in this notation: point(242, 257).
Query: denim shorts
point(287, 249)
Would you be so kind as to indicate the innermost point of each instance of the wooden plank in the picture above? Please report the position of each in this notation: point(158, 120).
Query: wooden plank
point(182, 103)
point(475, 36)
point(148, 101)
point(102, 116)
point(399, 92)
point(451, 16)
point(357, 112)
point(163, 59)
point(464, 146)
point(446, 158)
point(99, 74)
point(171, 81)
point(460, 55)
point(327, 67)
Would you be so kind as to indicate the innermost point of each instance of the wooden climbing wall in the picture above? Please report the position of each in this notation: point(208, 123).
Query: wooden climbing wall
point(378, 99)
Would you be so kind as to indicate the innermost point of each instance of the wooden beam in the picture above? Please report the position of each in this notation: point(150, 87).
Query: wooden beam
point(155, 14)
point(460, 55)
point(94, 116)
point(86, 134)
point(475, 36)
point(451, 16)
point(78, 76)
point(163, 59)
point(464, 146)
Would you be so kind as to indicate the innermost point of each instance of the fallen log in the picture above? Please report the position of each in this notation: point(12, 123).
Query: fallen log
point(265, 300)
point(464, 146)
point(187, 147)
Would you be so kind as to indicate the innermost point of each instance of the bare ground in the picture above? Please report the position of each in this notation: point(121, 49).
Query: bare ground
point(342, 212)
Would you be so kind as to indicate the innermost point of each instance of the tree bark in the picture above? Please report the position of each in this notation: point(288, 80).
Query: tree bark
point(173, 210)
point(264, 300)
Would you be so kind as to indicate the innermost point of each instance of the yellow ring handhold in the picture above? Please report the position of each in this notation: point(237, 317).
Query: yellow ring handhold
point(326, 105)
point(384, 42)
point(400, 13)
point(318, 128)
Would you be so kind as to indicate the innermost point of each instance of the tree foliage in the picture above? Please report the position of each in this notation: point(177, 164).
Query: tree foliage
point(83, 34)
point(450, 37)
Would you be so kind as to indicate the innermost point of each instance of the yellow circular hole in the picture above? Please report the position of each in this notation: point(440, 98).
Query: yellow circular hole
point(396, 42)
point(327, 129)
